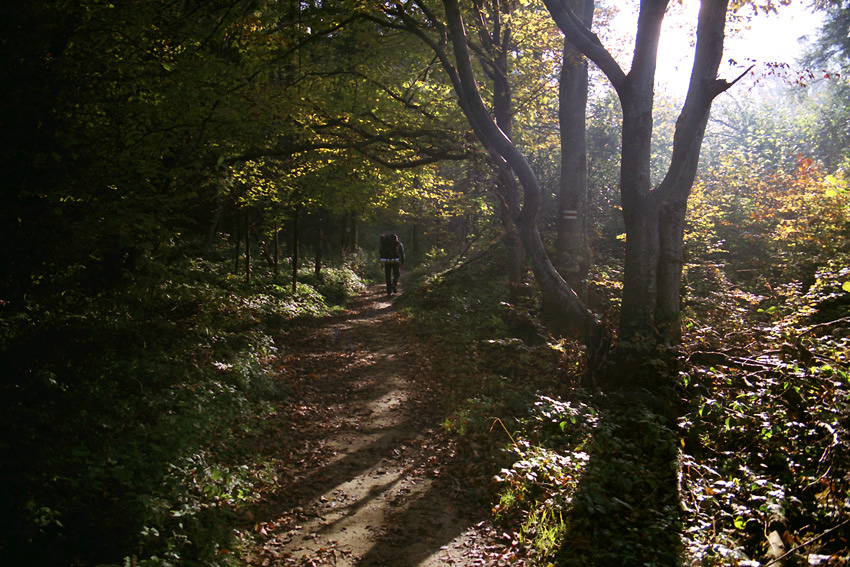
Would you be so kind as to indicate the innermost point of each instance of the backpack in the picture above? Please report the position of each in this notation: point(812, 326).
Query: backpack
point(389, 246)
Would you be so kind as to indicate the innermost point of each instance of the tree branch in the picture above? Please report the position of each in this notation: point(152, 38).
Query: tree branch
point(808, 542)
point(702, 90)
point(585, 41)
point(722, 86)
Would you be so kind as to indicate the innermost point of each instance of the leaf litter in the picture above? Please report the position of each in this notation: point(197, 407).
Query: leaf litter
point(365, 474)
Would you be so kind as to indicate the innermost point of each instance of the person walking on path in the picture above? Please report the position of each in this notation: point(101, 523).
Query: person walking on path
point(392, 259)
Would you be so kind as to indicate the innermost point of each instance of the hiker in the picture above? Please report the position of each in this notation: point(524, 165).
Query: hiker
point(392, 258)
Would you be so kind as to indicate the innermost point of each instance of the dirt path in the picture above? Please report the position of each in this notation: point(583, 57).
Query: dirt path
point(372, 481)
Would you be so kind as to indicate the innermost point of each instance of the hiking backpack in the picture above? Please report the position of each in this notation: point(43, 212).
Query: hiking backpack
point(389, 246)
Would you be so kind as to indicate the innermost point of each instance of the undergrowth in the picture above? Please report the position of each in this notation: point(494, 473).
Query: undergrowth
point(498, 354)
point(765, 435)
point(761, 444)
point(116, 407)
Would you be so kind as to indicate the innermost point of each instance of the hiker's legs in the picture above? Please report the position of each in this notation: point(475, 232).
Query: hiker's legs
point(396, 273)
point(388, 273)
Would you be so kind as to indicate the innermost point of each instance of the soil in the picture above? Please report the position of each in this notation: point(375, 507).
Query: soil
point(370, 478)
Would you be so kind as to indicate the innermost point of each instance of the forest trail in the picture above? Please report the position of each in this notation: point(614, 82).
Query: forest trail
point(374, 481)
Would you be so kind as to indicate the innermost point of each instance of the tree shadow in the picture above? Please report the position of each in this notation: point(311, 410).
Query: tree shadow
point(408, 541)
point(376, 475)
point(626, 509)
point(414, 510)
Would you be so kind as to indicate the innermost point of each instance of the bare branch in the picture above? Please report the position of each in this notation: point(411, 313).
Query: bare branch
point(722, 86)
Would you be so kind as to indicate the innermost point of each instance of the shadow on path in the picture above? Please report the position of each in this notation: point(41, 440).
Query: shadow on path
point(368, 485)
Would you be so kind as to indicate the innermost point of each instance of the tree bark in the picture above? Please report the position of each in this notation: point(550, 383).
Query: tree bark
point(496, 41)
point(237, 235)
point(654, 217)
point(506, 155)
point(640, 213)
point(414, 237)
point(247, 228)
point(675, 189)
point(572, 250)
point(320, 243)
point(276, 253)
point(514, 252)
point(670, 264)
point(295, 243)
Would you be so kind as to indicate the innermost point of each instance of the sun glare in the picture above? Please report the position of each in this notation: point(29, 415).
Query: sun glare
point(761, 39)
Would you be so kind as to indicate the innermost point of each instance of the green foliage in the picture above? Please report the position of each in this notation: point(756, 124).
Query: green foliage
point(497, 353)
point(588, 487)
point(540, 485)
point(444, 300)
point(762, 447)
point(117, 409)
point(763, 452)
point(773, 227)
point(133, 128)
point(335, 285)
point(767, 242)
point(133, 125)
point(828, 297)
point(832, 44)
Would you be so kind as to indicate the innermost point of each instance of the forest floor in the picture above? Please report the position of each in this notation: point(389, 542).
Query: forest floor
point(366, 476)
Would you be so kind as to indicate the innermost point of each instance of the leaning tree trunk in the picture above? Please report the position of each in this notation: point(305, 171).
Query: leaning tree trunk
point(503, 151)
point(496, 40)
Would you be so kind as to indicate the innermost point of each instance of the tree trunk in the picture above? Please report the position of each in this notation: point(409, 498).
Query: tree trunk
point(514, 251)
point(320, 243)
point(506, 155)
point(654, 217)
point(496, 40)
point(247, 251)
point(343, 239)
point(355, 237)
point(676, 187)
point(414, 230)
point(219, 210)
point(670, 263)
point(295, 244)
point(237, 234)
point(276, 253)
point(572, 250)
point(349, 233)
point(643, 316)
point(640, 212)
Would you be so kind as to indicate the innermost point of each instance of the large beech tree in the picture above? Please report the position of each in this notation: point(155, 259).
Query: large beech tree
point(653, 215)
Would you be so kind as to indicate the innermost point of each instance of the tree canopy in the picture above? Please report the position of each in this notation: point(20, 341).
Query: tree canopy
point(169, 165)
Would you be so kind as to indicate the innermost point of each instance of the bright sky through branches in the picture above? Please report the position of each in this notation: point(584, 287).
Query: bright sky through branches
point(762, 39)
